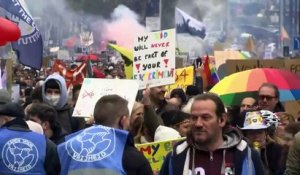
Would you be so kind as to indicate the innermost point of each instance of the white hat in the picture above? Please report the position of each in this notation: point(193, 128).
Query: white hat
point(254, 120)
point(35, 127)
point(165, 133)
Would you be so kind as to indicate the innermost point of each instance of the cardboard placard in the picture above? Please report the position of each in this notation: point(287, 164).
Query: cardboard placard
point(93, 89)
point(233, 66)
point(293, 65)
point(183, 78)
point(154, 58)
point(156, 152)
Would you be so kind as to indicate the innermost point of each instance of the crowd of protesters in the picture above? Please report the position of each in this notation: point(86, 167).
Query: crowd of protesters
point(257, 137)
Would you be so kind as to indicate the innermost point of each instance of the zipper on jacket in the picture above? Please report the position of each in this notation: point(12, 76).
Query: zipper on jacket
point(211, 156)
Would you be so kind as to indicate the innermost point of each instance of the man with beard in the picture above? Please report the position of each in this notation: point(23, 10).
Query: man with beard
point(211, 147)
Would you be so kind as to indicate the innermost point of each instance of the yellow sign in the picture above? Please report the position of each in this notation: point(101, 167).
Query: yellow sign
point(156, 152)
point(183, 78)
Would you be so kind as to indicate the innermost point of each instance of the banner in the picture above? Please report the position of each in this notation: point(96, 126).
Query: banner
point(156, 152)
point(29, 48)
point(93, 89)
point(183, 78)
point(154, 58)
point(187, 24)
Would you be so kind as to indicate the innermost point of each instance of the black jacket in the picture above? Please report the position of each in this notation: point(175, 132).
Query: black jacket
point(134, 162)
point(51, 162)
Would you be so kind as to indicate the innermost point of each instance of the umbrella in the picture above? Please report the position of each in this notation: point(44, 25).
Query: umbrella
point(92, 57)
point(233, 88)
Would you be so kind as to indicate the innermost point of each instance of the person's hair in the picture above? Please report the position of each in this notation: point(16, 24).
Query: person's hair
point(180, 93)
point(270, 85)
point(44, 112)
point(220, 109)
point(136, 106)
point(285, 116)
point(52, 84)
point(76, 88)
point(109, 109)
point(292, 128)
point(37, 94)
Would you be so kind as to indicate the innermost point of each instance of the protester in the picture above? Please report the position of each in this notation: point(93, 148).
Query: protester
point(255, 129)
point(247, 104)
point(268, 98)
point(209, 142)
point(75, 93)
point(54, 92)
point(24, 151)
point(285, 119)
point(105, 148)
point(180, 96)
point(46, 116)
point(177, 120)
point(293, 159)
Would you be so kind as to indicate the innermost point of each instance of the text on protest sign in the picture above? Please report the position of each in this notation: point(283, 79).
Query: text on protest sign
point(183, 78)
point(93, 89)
point(156, 152)
point(154, 58)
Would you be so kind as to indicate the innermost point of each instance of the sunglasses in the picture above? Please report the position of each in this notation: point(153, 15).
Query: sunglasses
point(267, 97)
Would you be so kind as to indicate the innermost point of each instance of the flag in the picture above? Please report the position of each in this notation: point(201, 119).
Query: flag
point(29, 48)
point(250, 47)
point(72, 76)
point(283, 34)
point(210, 72)
point(86, 39)
point(127, 56)
point(187, 24)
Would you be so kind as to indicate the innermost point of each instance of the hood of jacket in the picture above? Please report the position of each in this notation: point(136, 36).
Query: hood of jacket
point(231, 136)
point(63, 90)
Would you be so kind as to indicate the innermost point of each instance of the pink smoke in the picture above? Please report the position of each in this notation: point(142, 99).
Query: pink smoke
point(123, 27)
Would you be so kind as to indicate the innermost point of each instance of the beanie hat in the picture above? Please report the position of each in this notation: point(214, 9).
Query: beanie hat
point(12, 110)
point(174, 117)
point(165, 133)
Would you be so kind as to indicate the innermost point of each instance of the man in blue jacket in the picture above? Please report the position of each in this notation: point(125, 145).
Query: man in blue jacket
point(22, 150)
point(211, 147)
point(104, 148)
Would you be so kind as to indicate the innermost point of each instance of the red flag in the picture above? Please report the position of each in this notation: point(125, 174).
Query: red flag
point(207, 72)
point(72, 76)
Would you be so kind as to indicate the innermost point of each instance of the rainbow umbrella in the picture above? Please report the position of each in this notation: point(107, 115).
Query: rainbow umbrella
point(233, 88)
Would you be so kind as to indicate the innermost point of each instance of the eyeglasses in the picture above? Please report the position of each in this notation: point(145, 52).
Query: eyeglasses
point(267, 97)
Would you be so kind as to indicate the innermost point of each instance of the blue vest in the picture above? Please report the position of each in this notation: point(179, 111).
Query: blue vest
point(95, 150)
point(22, 152)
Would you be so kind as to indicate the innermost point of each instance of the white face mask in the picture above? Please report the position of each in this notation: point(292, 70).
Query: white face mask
point(53, 99)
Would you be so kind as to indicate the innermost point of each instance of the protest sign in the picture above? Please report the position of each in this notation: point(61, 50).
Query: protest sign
point(222, 56)
point(154, 58)
point(183, 78)
point(93, 89)
point(293, 65)
point(155, 152)
point(234, 66)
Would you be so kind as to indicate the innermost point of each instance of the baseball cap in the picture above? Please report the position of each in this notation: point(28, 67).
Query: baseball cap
point(12, 110)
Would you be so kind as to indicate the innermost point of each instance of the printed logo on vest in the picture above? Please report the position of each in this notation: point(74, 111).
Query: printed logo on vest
point(93, 144)
point(20, 155)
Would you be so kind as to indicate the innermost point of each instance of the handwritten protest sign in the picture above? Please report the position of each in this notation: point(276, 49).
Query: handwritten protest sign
point(156, 152)
point(93, 89)
point(183, 78)
point(154, 58)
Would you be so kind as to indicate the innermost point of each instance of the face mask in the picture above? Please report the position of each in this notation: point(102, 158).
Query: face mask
point(53, 99)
